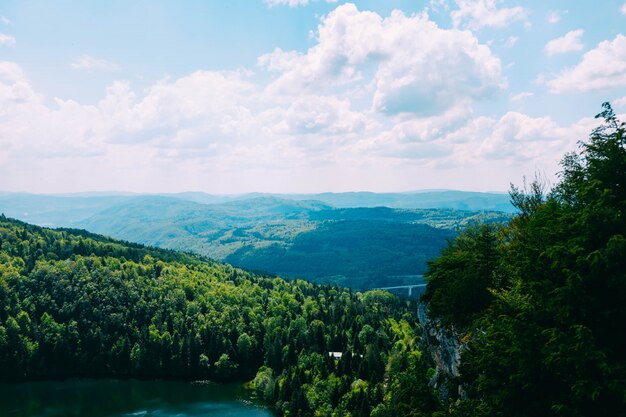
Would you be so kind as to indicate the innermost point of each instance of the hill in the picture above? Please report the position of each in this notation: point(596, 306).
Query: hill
point(64, 210)
point(359, 247)
point(78, 304)
point(442, 199)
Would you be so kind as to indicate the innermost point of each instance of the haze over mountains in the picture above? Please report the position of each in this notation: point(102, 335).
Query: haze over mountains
point(58, 210)
point(359, 239)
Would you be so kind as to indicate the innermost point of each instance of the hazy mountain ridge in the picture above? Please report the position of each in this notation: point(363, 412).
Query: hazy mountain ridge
point(299, 236)
point(67, 209)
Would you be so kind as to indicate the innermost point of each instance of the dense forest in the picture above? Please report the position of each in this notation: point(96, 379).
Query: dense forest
point(360, 248)
point(77, 304)
point(288, 236)
point(540, 303)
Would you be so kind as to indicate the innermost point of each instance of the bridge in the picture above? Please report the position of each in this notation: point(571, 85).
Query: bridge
point(419, 282)
point(402, 287)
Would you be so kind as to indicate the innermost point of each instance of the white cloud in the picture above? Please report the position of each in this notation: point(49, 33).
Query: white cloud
point(521, 96)
point(623, 9)
point(619, 102)
point(293, 3)
point(419, 138)
point(5, 20)
point(315, 115)
point(408, 62)
point(554, 16)
point(11, 72)
point(570, 42)
point(290, 3)
point(438, 5)
point(374, 101)
point(476, 14)
point(600, 68)
point(218, 131)
point(518, 139)
point(87, 62)
point(366, 83)
point(511, 41)
point(31, 129)
point(514, 143)
point(7, 40)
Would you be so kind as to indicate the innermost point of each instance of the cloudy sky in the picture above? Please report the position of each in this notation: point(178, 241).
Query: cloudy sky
point(300, 95)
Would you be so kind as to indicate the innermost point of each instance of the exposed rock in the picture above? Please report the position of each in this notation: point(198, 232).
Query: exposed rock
point(445, 347)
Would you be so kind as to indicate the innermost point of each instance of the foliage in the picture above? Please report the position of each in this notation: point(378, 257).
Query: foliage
point(459, 280)
point(362, 248)
point(548, 340)
point(76, 304)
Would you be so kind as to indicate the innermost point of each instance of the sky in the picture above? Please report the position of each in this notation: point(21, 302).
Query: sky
point(301, 95)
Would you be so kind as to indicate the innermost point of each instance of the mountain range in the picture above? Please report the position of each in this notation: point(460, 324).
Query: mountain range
point(360, 239)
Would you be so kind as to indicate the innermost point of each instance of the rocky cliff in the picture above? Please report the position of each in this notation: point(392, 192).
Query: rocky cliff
point(445, 347)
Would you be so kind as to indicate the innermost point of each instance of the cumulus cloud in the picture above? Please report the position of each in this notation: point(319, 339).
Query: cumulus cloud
point(570, 42)
point(600, 68)
point(513, 142)
point(192, 111)
point(620, 102)
point(516, 138)
point(293, 3)
point(511, 41)
point(477, 14)
point(419, 138)
point(207, 125)
point(30, 129)
point(554, 16)
point(521, 96)
point(87, 62)
point(313, 114)
point(373, 96)
point(438, 5)
point(7, 40)
point(366, 83)
point(412, 65)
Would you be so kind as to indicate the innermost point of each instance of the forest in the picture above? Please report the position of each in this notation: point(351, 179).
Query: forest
point(540, 303)
point(78, 304)
point(288, 236)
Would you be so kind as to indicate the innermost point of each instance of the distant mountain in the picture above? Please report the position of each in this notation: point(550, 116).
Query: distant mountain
point(457, 200)
point(301, 236)
point(57, 210)
point(447, 199)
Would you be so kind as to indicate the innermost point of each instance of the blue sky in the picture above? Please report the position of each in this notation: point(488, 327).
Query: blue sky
point(300, 95)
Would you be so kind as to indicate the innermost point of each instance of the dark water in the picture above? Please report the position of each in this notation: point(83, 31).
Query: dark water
point(109, 398)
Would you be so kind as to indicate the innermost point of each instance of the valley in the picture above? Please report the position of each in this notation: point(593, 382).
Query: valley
point(360, 247)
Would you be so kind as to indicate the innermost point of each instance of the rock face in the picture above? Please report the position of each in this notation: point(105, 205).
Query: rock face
point(445, 347)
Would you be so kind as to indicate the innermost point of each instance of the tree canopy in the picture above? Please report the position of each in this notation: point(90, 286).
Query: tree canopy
point(543, 305)
point(77, 304)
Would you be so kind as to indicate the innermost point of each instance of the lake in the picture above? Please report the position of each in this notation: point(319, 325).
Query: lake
point(117, 398)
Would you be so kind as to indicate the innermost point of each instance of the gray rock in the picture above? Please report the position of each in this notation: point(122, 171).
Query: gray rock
point(445, 347)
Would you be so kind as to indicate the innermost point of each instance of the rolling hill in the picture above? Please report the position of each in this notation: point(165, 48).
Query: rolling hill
point(362, 247)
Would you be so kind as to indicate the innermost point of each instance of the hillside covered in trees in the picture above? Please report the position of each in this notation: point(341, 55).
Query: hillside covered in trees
point(77, 304)
point(362, 248)
point(540, 304)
